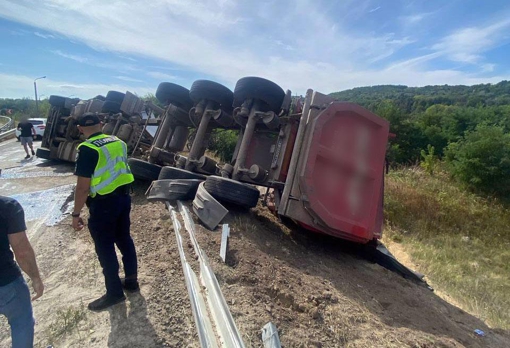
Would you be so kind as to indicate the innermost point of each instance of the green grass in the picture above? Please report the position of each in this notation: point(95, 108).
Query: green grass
point(65, 322)
point(461, 241)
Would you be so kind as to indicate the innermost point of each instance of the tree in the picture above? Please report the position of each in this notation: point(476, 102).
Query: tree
point(482, 159)
point(408, 142)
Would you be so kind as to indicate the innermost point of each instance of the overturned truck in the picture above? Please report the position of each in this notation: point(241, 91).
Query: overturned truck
point(321, 161)
point(123, 114)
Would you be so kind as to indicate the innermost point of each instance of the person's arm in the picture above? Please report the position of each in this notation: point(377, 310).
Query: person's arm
point(33, 131)
point(86, 162)
point(80, 197)
point(25, 257)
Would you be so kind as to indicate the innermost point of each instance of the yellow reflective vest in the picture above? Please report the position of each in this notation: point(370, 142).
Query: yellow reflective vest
point(112, 169)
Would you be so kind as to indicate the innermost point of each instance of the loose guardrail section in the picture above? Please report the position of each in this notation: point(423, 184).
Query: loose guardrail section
point(215, 324)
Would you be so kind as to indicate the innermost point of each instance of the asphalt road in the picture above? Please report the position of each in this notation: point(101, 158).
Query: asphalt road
point(43, 187)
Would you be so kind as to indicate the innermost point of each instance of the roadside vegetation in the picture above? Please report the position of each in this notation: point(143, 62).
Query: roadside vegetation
point(17, 108)
point(458, 239)
point(467, 126)
point(65, 322)
point(447, 199)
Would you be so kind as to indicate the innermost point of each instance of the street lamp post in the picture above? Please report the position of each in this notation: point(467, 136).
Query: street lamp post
point(35, 90)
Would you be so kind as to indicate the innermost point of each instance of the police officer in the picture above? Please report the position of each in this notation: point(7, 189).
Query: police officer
point(103, 184)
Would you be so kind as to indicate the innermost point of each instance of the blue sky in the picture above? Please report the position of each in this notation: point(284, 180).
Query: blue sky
point(87, 47)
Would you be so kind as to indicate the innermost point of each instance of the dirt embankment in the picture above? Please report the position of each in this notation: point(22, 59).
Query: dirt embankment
point(316, 292)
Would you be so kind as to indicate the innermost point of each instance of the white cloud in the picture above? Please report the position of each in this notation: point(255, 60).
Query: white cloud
point(76, 58)
point(284, 45)
point(375, 9)
point(127, 78)
point(413, 62)
point(413, 19)
point(15, 86)
point(216, 44)
point(97, 63)
point(298, 44)
point(44, 36)
point(162, 76)
point(467, 45)
point(488, 67)
point(128, 58)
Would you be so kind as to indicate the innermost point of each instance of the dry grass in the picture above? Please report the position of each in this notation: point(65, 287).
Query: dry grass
point(460, 240)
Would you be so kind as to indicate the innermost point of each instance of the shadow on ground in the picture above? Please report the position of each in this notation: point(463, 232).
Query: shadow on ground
point(130, 327)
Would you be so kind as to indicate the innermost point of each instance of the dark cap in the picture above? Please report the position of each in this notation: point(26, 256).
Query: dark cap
point(88, 119)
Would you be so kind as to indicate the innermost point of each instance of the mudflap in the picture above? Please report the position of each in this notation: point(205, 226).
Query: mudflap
point(376, 252)
point(208, 209)
point(172, 190)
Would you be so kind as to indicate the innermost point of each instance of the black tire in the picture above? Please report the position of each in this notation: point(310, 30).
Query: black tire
point(110, 107)
point(231, 191)
point(210, 90)
point(170, 93)
point(261, 89)
point(43, 153)
point(115, 96)
point(58, 101)
point(70, 102)
point(177, 173)
point(144, 171)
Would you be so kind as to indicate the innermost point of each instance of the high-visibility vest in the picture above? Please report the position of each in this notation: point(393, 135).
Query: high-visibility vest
point(112, 169)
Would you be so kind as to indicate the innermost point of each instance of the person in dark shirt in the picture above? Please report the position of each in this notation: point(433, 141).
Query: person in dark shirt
point(27, 133)
point(14, 293)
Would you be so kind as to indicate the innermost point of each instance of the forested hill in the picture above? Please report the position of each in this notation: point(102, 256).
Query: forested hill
point(466, 126)
point(416, 99)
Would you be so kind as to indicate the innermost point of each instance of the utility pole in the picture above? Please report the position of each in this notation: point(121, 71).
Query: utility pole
point(35, 91)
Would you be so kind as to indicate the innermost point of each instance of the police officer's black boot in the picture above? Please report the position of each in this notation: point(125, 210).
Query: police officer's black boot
point(105, 301)
point(130, 285)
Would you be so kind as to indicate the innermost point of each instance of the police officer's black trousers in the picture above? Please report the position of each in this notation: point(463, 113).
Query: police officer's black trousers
point(109, 225)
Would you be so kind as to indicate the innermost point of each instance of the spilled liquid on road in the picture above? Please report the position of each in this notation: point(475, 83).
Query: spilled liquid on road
point(50, 205)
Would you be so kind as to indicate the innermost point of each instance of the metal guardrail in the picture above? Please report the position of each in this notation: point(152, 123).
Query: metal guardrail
point(270, 337)
point(8, 125)
point(206, 333)
point(8, 135)
point(224, 322)
point(216, 314)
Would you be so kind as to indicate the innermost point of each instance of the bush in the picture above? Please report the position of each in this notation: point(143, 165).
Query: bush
point(223, 143)
point(482, 159)
point(429, 160)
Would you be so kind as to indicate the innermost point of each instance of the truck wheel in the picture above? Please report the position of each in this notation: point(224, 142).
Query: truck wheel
point(170, 93)
point(115, 96)
point(144, 171)
point(205, 89)
point(58, 101)
point(259, 88)
point(231, 191)
point(110, 107)
point(177, 173)
point(43, 153)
